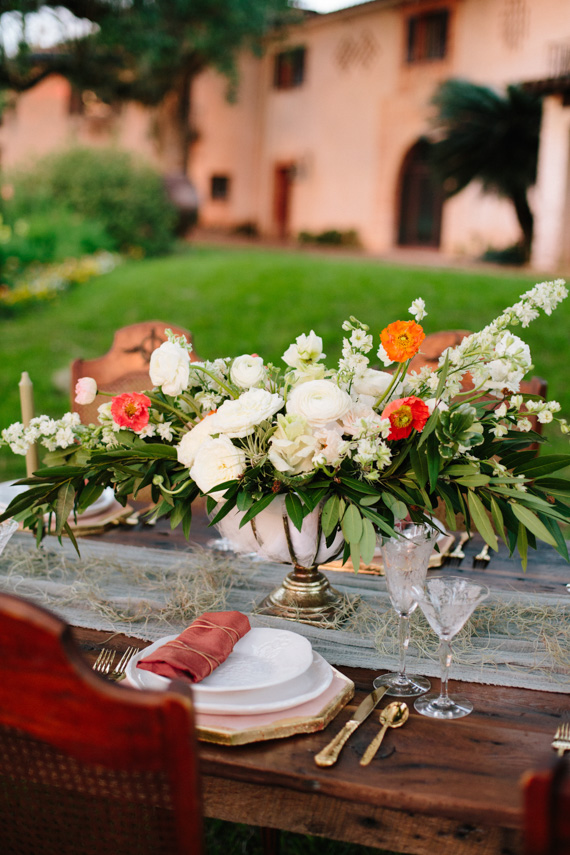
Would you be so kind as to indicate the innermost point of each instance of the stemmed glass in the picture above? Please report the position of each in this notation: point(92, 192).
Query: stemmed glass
point(7, 529)
point(406, 560)
point(447, 602)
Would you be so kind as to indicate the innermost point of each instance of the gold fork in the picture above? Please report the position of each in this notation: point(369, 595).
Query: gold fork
point(104, 663)
point(561, 741)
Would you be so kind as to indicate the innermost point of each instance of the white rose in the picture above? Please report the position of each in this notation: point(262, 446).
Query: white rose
point(217, 461)
point(370, 385)
point(190, 443)
point(239, 417)
point(307, 348)
point(319, 402)
point(169, 368)
point(292, 446)
point(247, 371)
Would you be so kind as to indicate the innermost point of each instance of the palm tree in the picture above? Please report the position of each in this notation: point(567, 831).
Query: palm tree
point(482, 134)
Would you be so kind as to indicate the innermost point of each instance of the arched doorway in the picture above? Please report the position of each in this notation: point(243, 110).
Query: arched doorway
point(420, 200)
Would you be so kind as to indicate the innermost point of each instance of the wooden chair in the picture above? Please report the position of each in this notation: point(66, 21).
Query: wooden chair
point(546, 795)
point(124, 368)
point(88, 767)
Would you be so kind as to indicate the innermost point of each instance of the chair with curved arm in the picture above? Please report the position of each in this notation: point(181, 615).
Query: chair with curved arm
point(86, 766)
point(124, 368)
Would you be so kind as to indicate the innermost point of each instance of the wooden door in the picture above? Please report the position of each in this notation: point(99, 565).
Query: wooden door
point(283, 182)
point(420, 200)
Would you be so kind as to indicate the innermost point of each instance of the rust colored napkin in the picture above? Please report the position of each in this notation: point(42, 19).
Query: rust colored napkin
point(199, 649)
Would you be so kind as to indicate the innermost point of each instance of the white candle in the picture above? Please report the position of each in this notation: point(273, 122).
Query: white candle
point(27, 406)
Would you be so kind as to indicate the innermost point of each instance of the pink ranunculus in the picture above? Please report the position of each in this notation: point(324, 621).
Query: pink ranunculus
point(85, 390)
point(130, 410)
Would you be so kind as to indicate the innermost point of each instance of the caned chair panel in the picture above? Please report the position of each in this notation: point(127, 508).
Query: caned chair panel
point(546, 797)
point(88, 767)
point(124, 368)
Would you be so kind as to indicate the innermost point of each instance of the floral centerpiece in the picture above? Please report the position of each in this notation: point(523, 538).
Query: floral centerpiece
point(365, 447)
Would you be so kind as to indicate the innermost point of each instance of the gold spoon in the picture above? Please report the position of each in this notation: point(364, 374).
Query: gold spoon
point(394, 715)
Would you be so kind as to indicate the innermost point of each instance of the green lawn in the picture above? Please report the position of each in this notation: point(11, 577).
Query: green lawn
point(238, 300)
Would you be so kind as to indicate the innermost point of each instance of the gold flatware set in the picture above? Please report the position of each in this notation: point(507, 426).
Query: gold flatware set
point(394, 715)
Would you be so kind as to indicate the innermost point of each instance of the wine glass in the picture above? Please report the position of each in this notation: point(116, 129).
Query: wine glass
point(447, 602)
point(406, 560)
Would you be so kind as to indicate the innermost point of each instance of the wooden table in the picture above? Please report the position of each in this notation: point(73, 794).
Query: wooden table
point(450, 788)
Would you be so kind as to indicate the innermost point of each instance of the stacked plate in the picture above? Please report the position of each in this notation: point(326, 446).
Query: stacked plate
point(267, 671)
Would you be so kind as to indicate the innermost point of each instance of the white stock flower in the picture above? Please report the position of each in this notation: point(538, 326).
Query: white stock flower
point(545, 417)
point(292, 446)
point(524, 425)
point(307, 348)
point(85, 391)
point(500, 411)
point(239, 417)
point(361, 340)
point(218, 460)
point(418, 309)
point(169, 368)
point(247, 371)
point(164, 430)
point(190, 443)
point(319, 402)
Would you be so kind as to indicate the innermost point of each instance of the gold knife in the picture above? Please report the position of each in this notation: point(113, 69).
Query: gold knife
point(329, 755)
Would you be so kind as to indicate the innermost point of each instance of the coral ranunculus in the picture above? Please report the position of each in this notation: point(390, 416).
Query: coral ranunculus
point(130, 410)
point(406, 414)
point(401, 340)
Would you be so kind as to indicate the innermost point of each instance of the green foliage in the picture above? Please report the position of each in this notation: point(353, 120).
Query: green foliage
point(331, 237)
point(51, 236)
point(106, 186)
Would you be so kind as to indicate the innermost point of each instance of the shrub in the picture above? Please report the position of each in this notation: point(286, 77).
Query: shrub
point(331, 237)
point(107, 186)
point(52, 236)
point(512, 255)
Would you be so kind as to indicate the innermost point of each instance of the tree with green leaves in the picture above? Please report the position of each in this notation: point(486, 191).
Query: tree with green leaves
point(481, 134)
point(148, 51)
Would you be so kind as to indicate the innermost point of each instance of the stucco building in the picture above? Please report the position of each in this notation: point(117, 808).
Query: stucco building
point(327, 129)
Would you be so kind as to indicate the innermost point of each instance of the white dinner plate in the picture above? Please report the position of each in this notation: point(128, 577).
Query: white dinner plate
point(312, 683)
point(261, 659)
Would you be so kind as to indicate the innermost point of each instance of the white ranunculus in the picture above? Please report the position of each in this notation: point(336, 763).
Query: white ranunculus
point(292, 446)
point(169, 368)
point(237, 418)
point(370, 385)
point(247, 371)
point(332, 446)
point(307, 348)
point(320, 402)
point(218, 460)
point(85, 390)
point(191, 442)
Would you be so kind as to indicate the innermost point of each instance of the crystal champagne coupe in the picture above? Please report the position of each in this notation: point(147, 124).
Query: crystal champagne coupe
point(406, 560)
point(447, 602)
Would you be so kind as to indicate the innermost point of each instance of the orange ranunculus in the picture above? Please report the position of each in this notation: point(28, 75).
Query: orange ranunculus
point(130, 410)
point(406, 414)
point(401, 340)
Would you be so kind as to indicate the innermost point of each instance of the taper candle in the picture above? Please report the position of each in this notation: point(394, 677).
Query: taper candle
point(27, 406)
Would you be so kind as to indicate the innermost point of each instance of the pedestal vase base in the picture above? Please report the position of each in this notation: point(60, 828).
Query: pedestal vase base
point(307, 597)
